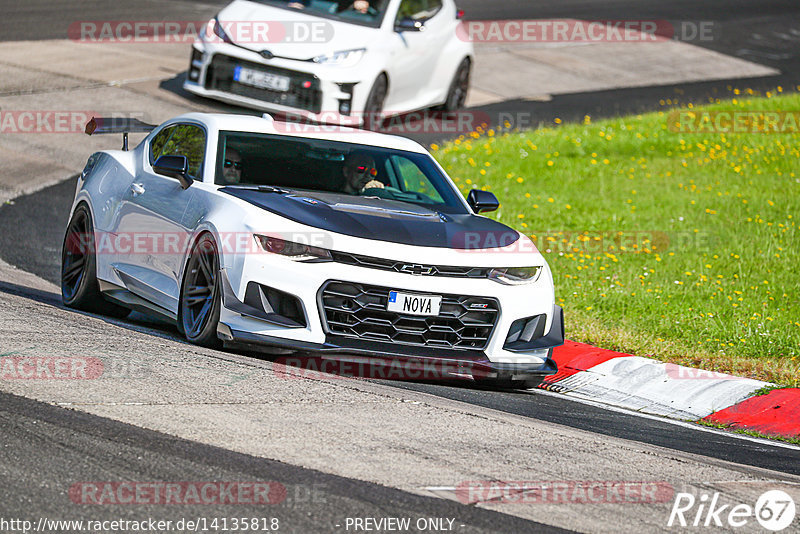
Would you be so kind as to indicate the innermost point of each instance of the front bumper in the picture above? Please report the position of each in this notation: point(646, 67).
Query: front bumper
point(317, 93)
point(428, 364)
point(244, 323)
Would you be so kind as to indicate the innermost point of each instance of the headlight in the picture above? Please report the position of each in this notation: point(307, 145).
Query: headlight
point(293, 251)
point(515, 275)
point(344, 58)
point(215, 26)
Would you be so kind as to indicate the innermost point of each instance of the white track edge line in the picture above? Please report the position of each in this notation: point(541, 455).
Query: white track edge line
point(677, 422)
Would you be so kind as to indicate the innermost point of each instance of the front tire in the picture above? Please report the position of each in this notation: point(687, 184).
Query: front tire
point(459, 87)
point(79, 286)
point(200, 294)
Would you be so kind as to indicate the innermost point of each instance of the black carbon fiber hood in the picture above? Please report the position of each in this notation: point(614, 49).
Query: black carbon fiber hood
point(381, 219)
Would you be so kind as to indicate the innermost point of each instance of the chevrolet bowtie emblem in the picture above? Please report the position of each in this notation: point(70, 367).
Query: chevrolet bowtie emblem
point(416, 269)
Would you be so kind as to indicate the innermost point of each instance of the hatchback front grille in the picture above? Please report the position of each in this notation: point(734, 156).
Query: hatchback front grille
point(359, 311)
point(304, 88)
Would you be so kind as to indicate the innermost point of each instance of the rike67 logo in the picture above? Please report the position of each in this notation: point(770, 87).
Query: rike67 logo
point(774, 510)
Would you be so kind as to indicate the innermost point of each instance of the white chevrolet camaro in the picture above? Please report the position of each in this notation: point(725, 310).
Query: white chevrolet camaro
point(246, 232)
point(342, 61)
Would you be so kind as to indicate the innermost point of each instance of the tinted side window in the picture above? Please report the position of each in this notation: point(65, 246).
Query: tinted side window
point(158, 142)
point(190, 141)
point(413, 180)
point(418, 9)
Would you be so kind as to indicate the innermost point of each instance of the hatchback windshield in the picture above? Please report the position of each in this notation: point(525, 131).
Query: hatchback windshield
point(295, 163)
point(364, 12)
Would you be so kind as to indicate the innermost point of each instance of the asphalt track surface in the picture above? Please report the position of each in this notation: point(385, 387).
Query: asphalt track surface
point(35, 247)
point(765, 32)
point(44, 445)
point(47, 448)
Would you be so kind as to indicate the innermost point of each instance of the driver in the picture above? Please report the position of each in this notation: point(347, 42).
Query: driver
point(361, 6)
point(359, 173)
point(232, 166)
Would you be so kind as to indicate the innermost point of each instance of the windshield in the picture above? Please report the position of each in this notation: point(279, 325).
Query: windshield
point(363, 12)
point(292, 163)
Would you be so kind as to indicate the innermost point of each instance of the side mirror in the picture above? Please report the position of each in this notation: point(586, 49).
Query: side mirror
point(407, 24)
point(175, 167)
point(481, 201)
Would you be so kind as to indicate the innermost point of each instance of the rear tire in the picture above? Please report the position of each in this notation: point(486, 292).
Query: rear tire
point(374, 106)
point(200, 295)
point(79, 286)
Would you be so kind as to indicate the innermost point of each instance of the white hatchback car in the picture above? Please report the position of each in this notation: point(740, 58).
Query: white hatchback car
point(340, 61)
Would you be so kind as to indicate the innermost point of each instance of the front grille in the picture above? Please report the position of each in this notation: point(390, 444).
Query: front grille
point(359, 310)
point(408, 267)
point(220, 77)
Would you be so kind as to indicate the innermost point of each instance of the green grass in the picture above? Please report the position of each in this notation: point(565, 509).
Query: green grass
point(679, 246)
point(766, 390)
point(752, 433)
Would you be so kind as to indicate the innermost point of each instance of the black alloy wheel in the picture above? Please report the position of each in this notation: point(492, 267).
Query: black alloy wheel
point(200, 294)
point(79, 286)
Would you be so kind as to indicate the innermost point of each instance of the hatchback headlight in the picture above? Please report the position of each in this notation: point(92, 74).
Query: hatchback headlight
point(343, 58)
point(214, 32)
point(516, 275)
point(293, 251)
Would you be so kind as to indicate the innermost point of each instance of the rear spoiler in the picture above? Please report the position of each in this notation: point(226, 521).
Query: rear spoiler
point(110, 125)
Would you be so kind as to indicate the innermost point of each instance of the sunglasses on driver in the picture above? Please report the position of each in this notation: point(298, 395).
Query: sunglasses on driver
point(372, 171)
point(235, 164)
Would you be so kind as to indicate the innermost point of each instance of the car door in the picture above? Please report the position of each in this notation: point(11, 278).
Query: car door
point(415, 53)
point(152, 218)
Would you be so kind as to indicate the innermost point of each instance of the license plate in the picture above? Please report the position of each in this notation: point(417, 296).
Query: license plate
point(260, 79)
point(411, 304)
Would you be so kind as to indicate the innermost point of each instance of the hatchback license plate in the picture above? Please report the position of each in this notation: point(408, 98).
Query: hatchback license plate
point(260, 79)
point(411, 304)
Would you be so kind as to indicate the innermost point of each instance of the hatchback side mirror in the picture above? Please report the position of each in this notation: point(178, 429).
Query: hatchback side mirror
point(482, 201)
point(407, 24)
point(175, 167)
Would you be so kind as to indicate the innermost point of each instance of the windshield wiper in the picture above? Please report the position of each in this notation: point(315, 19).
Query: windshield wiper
point(262, 188)
point(272, 189)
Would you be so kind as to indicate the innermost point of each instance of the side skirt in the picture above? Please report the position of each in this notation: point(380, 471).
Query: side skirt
point(123, 297)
